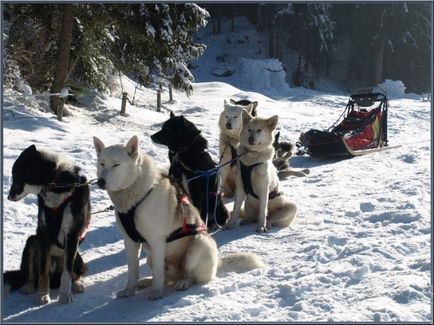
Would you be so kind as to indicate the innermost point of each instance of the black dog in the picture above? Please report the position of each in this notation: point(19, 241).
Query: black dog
point(245, 102)
point(188, 159)
point(63, 217)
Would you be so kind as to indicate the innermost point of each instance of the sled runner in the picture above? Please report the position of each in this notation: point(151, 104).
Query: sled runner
point(359, 130)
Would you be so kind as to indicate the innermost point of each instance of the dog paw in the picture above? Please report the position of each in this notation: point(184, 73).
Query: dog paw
point(155, 295)
point(27, 289)
point(65, 297)
point(261, 229)
point(183, 284)
point(77, 287)
point(232, 224)
point(144, 283)
point(43, 299)
point(127, 292)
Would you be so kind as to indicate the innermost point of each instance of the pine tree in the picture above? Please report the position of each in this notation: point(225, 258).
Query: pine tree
point(145, 41)
point(395, 44)
point(308, 30)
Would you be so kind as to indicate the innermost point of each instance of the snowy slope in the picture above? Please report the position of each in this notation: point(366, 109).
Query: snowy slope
point(358, 251)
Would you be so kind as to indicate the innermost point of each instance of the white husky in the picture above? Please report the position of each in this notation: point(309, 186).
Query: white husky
point(230, 123)
point(257, 181)
point(152, 211)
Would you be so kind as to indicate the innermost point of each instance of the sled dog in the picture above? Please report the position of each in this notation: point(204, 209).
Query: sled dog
point(230, 124)
point(257, 182)
point(282, 154)
point(153, 211)
point(50, 258)
point(188, 158)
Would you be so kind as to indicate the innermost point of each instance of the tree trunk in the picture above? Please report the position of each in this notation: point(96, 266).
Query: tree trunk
point(63, 56)
point(271, 51)
point(379, 61)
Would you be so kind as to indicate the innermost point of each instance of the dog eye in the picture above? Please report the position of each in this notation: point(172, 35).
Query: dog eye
point(115, 165)
point(259, 131)
point(249, 130)
point(235, 116)
point(227, 116)
point(102, 165)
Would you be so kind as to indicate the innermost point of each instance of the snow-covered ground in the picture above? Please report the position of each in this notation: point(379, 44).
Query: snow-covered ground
point(359, 249)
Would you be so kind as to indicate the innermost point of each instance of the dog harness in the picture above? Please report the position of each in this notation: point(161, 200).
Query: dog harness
point(246, 176)
point(127, 220)
point(234, 155)
point(54, 217)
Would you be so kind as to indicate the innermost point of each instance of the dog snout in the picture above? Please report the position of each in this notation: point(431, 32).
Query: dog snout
point(228, 126)
point(101, 183)
point(251, 140)
point(10, 198)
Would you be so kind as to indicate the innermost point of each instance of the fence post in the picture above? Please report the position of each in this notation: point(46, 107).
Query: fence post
point(60, 102)
point(158, 100)
point(170, 92)
point(124, 104)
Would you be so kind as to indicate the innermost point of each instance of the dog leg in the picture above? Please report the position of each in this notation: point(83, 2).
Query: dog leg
point(44, 268)
point(133, 252)
point(158, 249)
point(202, 259)
point(28, 264)
point(226, 186)
point(184, 284)
point(284, 216)
point(79, 269)
point(263, 208)
point(144, 282)
point(71, 246)
point(240, 196)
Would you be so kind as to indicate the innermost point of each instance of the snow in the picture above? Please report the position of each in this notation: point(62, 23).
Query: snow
point(396, 89)
point(359, 250)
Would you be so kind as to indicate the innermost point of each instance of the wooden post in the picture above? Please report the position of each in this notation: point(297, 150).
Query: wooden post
point(170, 92)
point(159, 100)
point(60, 102)
point(124, 104)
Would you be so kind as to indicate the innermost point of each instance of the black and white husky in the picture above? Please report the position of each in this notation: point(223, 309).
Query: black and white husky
point(50, 258)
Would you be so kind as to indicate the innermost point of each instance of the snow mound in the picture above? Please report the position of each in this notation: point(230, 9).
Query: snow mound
point(263, 74)
point(395, 89)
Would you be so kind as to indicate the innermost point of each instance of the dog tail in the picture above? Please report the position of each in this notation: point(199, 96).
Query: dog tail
point(13, 280)
point(240, 262)
point(284, 174)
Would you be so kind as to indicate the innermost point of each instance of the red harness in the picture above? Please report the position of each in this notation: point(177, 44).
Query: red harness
point(59, 209)
point(186, 229)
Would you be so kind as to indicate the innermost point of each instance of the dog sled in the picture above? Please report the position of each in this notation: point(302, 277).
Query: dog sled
point(359, 130)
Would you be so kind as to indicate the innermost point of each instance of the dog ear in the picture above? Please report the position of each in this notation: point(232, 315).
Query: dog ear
point(246, 116)
point(254, 113)
point(251, 108)
point(132, 147)
point(276, 138)
point(272, 122)
point(30, 149)
point(172, 115)
point(98, 144)
point(226, 103)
